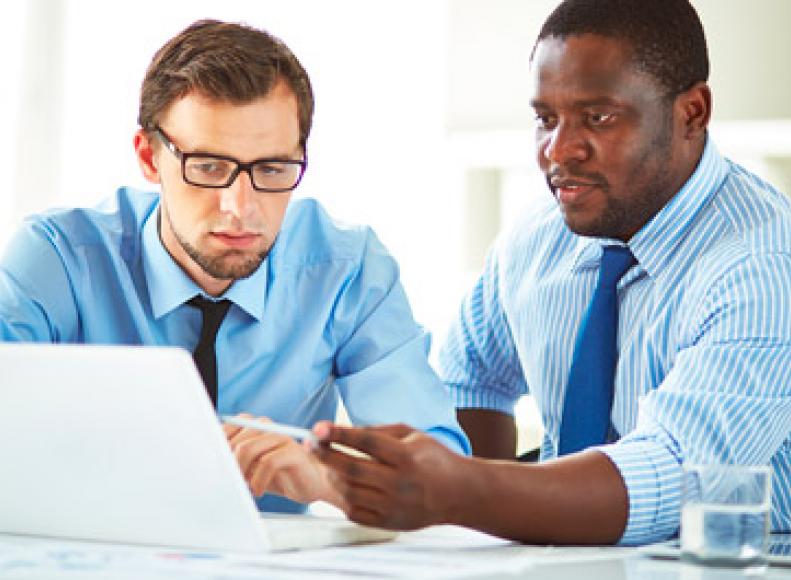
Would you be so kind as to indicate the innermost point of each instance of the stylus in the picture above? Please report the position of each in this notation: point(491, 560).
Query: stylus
point(297, 433)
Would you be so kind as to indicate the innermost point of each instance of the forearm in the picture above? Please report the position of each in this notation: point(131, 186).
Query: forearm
point(491, 433)
point(580, 499)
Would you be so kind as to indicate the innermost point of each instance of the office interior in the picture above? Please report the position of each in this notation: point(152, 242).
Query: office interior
point(422, 125)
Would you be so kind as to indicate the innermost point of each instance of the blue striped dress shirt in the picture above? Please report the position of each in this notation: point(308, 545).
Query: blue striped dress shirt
point(704, 337)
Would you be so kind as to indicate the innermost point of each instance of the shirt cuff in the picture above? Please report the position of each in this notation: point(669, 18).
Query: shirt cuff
point(651, 471)
point(453, 440)
point(464, 398)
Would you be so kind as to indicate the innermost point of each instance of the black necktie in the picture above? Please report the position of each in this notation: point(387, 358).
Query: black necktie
point(205, 358)
point(589, 392)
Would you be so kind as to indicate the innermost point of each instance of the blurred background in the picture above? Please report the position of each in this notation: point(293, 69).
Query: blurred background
point(422, 125)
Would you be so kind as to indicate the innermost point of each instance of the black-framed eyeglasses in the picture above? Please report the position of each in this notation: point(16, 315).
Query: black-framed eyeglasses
point(218, 171)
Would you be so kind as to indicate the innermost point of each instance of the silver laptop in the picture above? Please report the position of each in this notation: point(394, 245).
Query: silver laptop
point(121, 444)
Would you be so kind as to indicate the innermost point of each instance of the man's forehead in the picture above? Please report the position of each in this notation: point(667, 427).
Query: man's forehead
point(582, 53)
point(264, 127)
point(589, 65)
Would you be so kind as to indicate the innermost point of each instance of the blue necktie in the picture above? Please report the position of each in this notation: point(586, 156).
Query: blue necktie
point(589, 392)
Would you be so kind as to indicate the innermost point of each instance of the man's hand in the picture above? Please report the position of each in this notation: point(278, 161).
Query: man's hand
point(407, 482)
point(410, 480)
point(278, 464)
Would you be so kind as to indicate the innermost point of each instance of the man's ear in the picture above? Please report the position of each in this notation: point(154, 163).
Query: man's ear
point(694, 108)
point(145, 156)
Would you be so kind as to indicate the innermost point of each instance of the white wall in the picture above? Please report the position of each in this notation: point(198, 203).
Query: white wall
point(422, 126)
point(13, 47)
point(491, 123)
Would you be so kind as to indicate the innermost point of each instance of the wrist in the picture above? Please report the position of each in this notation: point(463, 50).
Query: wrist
point(466, 494)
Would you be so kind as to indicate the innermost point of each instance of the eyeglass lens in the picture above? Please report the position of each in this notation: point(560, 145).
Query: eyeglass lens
point(212, 172)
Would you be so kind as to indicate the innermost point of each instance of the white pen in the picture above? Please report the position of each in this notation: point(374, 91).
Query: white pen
point(298, 433)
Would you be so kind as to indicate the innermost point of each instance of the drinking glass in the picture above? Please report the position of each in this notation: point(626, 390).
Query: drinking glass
point(725, 514)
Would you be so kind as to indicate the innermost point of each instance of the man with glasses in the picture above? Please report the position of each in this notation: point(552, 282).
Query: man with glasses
point(284, 309)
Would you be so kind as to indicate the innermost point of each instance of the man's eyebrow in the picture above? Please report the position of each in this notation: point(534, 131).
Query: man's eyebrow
point(580, 103)
point(598, 101)
point(206, 152)
point(282, 157)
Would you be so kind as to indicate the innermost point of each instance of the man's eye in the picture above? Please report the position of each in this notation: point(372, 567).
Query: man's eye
point(209, 167)
point(544, 121)
point(600, 118)
point(270, 169)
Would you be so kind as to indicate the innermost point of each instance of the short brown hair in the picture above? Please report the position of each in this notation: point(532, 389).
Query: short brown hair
point(224, 61)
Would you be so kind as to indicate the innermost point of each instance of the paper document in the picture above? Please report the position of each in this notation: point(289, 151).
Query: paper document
point(442, 552)
point(439, 552)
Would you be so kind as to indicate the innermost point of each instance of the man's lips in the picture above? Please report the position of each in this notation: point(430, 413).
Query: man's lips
point(570, 191)
point(238, 240)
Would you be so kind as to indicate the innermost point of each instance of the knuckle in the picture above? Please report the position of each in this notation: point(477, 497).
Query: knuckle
point(354, 470)
point(368, 442)
point(241, 454)
point(249, 451)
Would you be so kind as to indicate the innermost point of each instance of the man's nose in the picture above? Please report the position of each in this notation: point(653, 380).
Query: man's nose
point(565, 143)
point(237, 198)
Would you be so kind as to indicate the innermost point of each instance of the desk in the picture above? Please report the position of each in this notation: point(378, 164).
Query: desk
point(441, 552)
point(633, 566)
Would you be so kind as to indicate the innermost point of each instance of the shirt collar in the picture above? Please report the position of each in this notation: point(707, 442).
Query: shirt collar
point(169, 286)
point(249, 293)
point(653, 245)
point(588, 252)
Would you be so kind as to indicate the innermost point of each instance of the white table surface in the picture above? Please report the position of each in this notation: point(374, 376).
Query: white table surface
point(440, 552)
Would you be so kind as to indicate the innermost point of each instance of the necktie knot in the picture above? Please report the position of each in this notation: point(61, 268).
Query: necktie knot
point(615, 261)
point(213, 313)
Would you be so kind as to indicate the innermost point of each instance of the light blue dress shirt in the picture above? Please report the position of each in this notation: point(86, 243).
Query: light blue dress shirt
point(325, 314)
point(704, 371)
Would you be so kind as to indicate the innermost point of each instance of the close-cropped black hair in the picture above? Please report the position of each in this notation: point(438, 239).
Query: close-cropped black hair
point(666, 36)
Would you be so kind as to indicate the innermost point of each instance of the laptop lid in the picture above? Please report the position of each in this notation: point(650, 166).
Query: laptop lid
point(118, 444)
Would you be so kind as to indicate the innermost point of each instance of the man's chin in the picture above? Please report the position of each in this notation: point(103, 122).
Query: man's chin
point(231, 267)
point(239, 272)
point(224, 264)
point(589, 228)
point(593, 222)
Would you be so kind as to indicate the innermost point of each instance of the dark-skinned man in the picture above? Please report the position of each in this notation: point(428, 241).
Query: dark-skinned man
point(646, 307)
